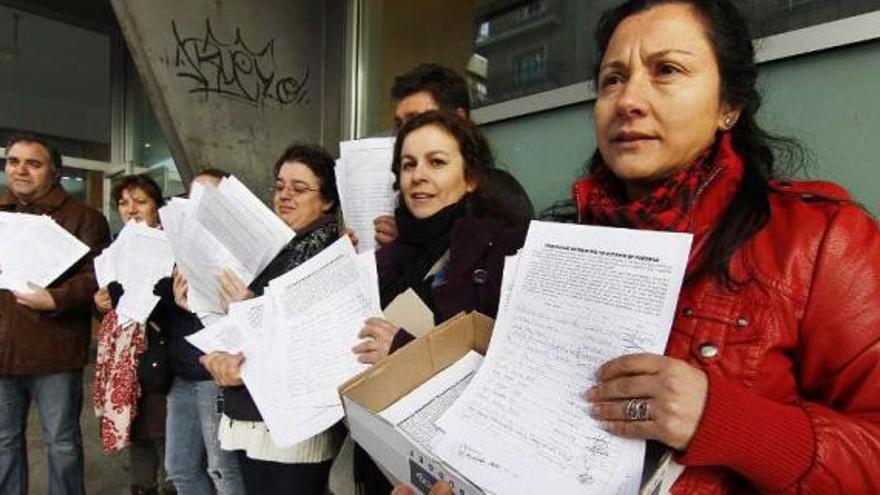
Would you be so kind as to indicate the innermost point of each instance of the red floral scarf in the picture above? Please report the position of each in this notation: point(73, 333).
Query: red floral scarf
point(117, 389)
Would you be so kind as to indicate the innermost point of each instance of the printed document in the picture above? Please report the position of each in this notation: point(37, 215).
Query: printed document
point(365, 183)
point(35, 249)
point(581, 296)
point(223, 228)
point(138, 258)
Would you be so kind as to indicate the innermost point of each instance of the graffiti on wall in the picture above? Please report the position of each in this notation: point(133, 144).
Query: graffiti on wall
point(232, 69)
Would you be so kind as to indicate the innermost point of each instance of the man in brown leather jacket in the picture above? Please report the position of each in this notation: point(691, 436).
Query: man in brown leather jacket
point(44, 334)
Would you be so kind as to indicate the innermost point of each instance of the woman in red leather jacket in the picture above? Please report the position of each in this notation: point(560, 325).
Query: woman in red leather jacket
point(771, 378)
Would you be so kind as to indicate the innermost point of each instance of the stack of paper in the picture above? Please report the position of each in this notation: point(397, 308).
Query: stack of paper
point(137, 259)
point(365, 183)
point(297, 339)
point(221, 228)
point(35, 249)
point(579, 297)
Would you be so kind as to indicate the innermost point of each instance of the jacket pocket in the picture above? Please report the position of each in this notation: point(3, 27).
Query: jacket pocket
point(725, 333)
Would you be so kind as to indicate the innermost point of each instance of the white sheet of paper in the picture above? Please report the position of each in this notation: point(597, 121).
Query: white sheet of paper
point(322, 306)
point(581, 295)
point(142, 259)
point(407, 405)
point(251, 232)
point(200, 257)
point(39, 252)
point(303, 352)
point(365, 183)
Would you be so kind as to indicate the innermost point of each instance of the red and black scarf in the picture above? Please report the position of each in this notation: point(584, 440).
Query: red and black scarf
point(691, 200)
point(711, 177)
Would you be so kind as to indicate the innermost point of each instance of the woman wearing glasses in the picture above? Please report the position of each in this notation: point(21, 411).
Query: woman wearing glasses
point(305, 197)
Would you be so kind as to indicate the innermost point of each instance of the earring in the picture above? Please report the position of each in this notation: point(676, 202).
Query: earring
point(728, 122)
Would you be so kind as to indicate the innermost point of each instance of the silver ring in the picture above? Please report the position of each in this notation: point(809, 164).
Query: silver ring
point(637, 410)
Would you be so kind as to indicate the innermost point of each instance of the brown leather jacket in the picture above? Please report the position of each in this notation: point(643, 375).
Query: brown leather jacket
point(33, 342)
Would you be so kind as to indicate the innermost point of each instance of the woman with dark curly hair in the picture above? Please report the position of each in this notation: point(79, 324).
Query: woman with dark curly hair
point(305, 197)
point(453, 236)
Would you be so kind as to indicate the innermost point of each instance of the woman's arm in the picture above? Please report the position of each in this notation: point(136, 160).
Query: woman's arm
point(830, 442)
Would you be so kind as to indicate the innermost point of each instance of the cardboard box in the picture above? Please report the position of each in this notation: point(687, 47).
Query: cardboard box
point(396, 376)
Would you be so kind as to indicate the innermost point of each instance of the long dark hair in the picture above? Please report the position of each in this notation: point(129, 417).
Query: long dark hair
point(488, 199)
point(728, 35)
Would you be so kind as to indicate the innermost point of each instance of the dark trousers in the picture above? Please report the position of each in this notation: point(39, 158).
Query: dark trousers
point(368, 478)
point(267, 477)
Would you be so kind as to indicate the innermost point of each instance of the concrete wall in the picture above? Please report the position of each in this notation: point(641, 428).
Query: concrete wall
point(54, 79)
point(232, 84)
point(827, 100)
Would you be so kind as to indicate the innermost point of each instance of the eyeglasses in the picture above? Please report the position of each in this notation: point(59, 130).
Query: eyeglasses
point(296, 188)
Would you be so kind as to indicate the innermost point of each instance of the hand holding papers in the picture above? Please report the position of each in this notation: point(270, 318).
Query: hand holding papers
point(137, 259)
point(297, 339)
point(217, 229)
point(364, 180)
point(35, 249)
point(581, 296)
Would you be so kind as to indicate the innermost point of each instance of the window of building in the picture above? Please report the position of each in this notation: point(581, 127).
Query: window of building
point(530, 67)
point(529, 55)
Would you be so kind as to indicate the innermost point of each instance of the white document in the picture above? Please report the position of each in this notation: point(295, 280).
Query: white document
point(303, 351)
point(416, 413)
point(218, 229)
point(236, 332)
point(322, 306)
point(35, 249)
point(141, 259)
point(251, 232)
point(365, 182)
point(581, 296)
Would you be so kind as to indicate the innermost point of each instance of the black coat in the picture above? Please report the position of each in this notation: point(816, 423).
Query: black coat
point(473, 275)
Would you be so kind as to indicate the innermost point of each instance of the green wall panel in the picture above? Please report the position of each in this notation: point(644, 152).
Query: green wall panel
point(830, 101)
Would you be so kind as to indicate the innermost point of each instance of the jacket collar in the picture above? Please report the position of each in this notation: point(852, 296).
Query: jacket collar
point(47, 203)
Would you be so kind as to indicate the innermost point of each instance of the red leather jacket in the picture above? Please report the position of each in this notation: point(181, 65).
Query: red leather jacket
point(792, 356)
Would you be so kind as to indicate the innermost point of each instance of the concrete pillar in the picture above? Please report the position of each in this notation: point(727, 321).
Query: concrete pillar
point(233, 82)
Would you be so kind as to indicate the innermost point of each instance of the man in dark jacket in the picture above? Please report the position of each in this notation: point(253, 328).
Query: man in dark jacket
point(44, 334)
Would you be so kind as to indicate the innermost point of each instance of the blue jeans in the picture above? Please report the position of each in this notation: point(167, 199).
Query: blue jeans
point(59, 399)
point(191, 433)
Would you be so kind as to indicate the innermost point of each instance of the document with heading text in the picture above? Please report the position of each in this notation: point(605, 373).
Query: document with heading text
point(581, 295)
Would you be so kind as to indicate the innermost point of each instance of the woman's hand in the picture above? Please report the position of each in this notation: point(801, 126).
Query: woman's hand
point(180, 288)
point(102, 300)
point(386, 229)
point(377, 334)
point(674, 393)
point(232, 289)
point(353, 237)
point(225, 368)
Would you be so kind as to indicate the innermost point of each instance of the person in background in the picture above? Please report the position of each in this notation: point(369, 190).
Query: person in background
point(431, 86)
point(194, 461)
point(770, 381)
point(45, 333)
point(131, 408)
point(452, 239)
point(306, 198)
